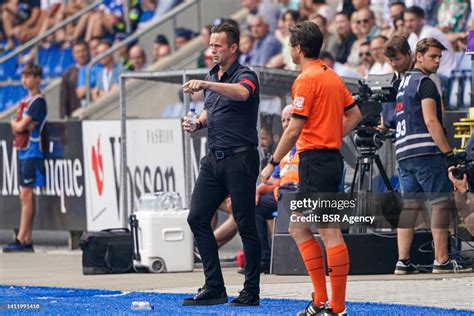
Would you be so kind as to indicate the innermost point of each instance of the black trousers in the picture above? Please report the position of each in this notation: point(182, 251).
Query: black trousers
point(235, 175)
point(264, 211)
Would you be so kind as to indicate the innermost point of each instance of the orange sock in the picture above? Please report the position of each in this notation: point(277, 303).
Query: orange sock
point(313, 260)
point(338, 264)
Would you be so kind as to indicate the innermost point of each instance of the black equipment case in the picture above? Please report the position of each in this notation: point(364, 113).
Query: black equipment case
point(107, 251)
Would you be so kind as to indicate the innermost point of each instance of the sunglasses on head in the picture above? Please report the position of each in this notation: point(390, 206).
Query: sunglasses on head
point(365, 21)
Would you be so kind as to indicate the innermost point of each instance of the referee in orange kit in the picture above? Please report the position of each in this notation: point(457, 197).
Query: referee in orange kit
point(323, 113)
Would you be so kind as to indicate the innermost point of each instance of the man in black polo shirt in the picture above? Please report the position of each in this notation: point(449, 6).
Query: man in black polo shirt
point(231, 167)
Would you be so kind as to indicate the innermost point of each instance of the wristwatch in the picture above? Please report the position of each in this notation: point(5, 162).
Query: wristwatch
point(198, 125)
point(273, 162)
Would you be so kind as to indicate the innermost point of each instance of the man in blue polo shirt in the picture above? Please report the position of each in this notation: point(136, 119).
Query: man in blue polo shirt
point(231, 167)
point(27, 128)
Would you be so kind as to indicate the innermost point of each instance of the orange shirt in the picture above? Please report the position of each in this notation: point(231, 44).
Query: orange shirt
point(320, 96)
point(289, 168)
point(288, 171)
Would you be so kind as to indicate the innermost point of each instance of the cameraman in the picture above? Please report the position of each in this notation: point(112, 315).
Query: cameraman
point(420, 146)
point(398, 52)
point(464, 198)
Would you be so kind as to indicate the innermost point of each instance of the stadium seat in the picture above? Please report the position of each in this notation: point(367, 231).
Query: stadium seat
point(67, 59)
point(11, 95)
point(8, 97)
point(43, 55)
point(17, 72)
point(2, 92)
point(53, 64)
point(7, 69)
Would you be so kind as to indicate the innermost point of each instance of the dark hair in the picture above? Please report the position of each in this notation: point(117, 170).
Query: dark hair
point(295, 15)
point(416, 11)
point(366, 43)
point(397, 18)
point(326, 55)
point(105, 42)
point(32, 69)
point(81, 42)
point(308, 35)
point(161, 39)
point(184, 32)
point(231, 31)
point(397, 44)
point(402, 3)
point(423, 45)
point(344, 13)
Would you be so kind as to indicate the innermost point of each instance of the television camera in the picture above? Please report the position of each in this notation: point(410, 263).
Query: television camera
point(373, 96)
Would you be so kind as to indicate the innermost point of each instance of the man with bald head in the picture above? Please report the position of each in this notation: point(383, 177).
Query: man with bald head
point(137, 57)
point(266, 45)
point(284, 179)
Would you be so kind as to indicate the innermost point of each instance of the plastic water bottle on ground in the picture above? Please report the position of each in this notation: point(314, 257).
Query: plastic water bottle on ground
point(141, 306)
point(192, 119)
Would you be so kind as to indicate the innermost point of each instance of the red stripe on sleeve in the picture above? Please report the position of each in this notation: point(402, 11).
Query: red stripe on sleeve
point(250, 83)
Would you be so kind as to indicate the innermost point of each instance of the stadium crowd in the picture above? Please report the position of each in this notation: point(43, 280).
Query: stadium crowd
point(354, 35)
point(66, 52)
point(355, 38)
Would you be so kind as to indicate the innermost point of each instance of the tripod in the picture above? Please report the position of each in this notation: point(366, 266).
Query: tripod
point(365, 167)
point(365, 160)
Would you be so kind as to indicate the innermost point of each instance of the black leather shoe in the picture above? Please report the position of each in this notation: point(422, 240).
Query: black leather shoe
point(246, 298)
point(207, 296)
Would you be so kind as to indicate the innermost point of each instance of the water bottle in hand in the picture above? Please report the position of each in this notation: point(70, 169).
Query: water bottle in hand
point(192, 119)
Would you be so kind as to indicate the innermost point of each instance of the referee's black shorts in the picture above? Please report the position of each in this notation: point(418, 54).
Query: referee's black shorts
point(320, 170)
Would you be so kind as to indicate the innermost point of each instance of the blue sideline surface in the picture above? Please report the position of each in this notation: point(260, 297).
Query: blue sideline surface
point(69, 301)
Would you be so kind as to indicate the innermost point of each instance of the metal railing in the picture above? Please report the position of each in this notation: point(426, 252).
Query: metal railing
point(49, 32)
point(171, 15)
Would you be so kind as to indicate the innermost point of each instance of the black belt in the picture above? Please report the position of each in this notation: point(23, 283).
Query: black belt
point(317, 152)
point(221, 154)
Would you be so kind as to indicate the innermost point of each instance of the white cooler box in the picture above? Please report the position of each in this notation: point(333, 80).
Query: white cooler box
point(165, 241)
